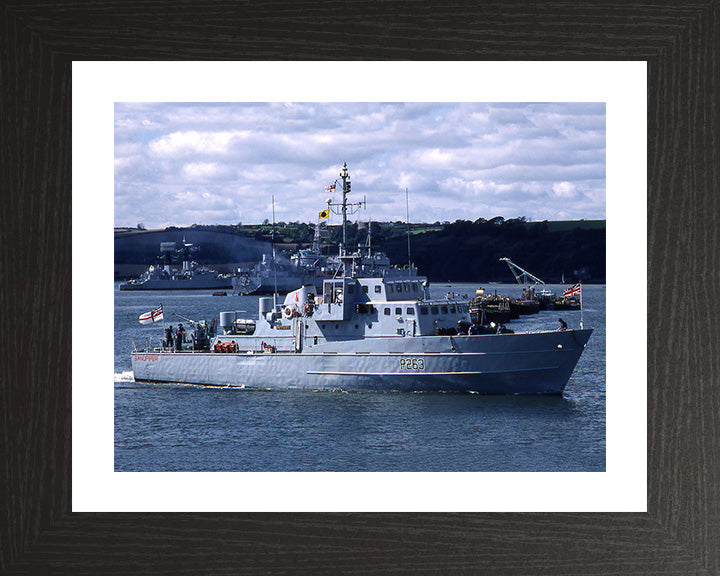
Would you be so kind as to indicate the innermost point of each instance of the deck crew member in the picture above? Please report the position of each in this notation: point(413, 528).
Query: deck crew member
point(563, 324)
point(179, 337)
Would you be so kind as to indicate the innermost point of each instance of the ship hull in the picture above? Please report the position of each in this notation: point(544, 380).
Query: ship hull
point(537, 363)
point(180, 284)
point(284, 284)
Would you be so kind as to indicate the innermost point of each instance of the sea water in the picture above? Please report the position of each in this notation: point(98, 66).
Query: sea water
point(167, 427)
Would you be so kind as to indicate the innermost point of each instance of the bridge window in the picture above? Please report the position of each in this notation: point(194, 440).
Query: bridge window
point(398, 310)
point(414, 287)
point(390, 288)
point(410, 311)
point(444, 309)
point(377, 288)
point(386, 311)
point(423, 310)
point(452, 309)
point(434, 309)
point(365, 289)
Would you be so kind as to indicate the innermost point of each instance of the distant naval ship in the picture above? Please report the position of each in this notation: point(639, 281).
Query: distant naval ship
point(168, 276)
point(310, 266)
point(364, 333)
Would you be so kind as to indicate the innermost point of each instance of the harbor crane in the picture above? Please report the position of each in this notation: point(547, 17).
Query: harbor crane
point(522, 276)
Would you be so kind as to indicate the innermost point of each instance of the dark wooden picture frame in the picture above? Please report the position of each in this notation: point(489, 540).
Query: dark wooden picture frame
point(680, 533)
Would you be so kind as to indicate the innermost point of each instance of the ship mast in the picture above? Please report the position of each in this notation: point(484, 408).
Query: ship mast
point(345, 190)
point(274, 255)
point(345, 208)
point(407, 220)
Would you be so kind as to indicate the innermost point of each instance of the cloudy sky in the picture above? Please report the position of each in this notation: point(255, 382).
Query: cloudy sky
point(206, 163)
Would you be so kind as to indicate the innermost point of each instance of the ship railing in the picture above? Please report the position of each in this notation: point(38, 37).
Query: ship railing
point(440, 301)
point(169, 349)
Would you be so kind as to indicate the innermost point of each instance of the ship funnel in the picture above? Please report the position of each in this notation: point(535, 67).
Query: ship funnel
point(227, 319)
point(266, 305)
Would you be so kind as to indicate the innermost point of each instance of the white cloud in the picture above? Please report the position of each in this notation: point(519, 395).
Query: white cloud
point(193, 142)
point(564, 189)
point(206, 171)
point(464, 160)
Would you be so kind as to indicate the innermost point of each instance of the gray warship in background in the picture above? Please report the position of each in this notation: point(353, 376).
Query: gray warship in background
point(365, 333)
point(278, 273)
point(168, 276)
point(310, 266)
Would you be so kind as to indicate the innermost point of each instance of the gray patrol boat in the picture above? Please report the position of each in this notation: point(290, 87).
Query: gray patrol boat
point(365, 333)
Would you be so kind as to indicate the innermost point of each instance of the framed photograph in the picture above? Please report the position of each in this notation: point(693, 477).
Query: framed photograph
point(559, 113)
point(398, 522)
point(437, 195)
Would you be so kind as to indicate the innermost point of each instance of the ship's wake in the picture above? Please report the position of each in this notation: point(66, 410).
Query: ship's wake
point(126, 376)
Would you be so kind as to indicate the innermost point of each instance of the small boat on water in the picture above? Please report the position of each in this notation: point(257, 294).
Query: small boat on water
point(364, 332)
point(488, 308)
point(567, 303)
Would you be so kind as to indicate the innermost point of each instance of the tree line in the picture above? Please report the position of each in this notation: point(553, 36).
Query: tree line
point(460, 251)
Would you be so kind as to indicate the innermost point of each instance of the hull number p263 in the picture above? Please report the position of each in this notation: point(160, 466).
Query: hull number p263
point(412, 364)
